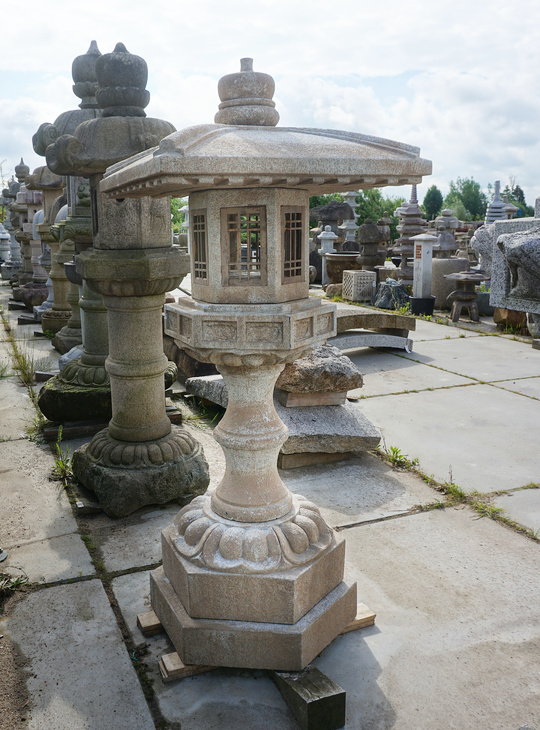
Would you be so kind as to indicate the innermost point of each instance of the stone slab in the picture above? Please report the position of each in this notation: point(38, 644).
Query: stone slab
point(485, 436)
point(385, 373)
point(38, 508)
point(484, 358)
point(79, 674)
point(46, 561)
point(350, 316)
point(363, 489)
point(458, 626)
point(246, 644)
point(432, 331)
point(523, 506)
point(16, 410)
point(133, 541)
point(311, 429)
point(231, 698)
point(525, 386)
point(354, 339)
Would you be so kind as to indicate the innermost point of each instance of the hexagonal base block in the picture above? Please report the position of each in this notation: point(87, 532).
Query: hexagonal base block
point(248, 644)
point(280, 596)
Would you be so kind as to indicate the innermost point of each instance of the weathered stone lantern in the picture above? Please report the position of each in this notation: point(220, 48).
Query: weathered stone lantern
point(252, 575)
point(369, 239)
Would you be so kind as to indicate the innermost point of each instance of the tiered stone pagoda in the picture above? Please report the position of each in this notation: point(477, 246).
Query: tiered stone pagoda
point(411, 224)
point(14, 263)
point(496, 210)
point(252, 575)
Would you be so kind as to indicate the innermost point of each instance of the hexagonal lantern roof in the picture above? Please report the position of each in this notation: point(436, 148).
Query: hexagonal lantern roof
point(246, 155)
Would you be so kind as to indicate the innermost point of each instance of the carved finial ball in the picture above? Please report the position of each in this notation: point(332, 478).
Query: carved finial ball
point(21, 171)
point(83, 70)
point(246, 98)
point(122, 78)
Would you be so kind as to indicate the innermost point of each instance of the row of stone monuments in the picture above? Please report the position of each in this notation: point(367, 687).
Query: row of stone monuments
point(252, 575)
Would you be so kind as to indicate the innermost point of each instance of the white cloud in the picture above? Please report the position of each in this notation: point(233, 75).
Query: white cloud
point(470, 105)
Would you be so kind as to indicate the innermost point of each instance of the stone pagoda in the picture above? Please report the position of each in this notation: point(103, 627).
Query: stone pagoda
point(252, 575)
point(496, 210)
point(411, 224)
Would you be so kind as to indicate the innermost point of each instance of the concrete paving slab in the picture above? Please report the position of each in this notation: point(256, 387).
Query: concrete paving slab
point(386, 373)
point(432, 331)
point(46, 561)
point(484, 358)
point(222, 699)
point(523, 506)
point(79, 676)
point(38, 508)
point(16, 411)
point(525, 386)
point(455, 643)
point(486, 436)
point(132, 541)
point(362, 489)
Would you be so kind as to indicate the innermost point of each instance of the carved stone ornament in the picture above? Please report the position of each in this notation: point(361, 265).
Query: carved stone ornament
point(213, 542)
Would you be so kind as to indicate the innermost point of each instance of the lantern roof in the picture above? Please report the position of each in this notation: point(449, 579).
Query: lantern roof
point(245, 149)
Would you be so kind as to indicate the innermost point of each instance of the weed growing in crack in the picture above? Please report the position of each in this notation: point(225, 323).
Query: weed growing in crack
point(62, 461)
point(11, 583)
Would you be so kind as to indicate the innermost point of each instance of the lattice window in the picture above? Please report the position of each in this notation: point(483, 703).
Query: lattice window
point(200, 245)
point(243, 235)
point(292, 223)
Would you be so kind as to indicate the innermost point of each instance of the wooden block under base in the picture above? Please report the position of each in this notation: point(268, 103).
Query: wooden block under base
point(316, 702)
point(172, 667)
point(149, 624)
point(364, 617)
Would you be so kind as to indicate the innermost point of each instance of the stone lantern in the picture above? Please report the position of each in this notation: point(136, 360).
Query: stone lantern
point(4, 244)
point(369, 239)
point(14, 264)
point(252, 575)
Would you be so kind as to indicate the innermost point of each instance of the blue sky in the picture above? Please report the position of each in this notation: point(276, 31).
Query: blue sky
point(458, 79)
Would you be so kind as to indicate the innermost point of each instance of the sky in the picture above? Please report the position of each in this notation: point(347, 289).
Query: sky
point(460, 80)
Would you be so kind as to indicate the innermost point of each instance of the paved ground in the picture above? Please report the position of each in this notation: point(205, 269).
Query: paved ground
point(457, 633)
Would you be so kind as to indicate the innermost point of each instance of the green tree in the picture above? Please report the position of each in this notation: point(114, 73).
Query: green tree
point(433, 201)
point(317, 200)
point(517, 197)
point(373, 204)
point(469, 192)
point(177, 218)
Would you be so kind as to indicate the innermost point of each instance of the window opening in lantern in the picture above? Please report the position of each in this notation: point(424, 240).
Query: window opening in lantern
point(200, 246)
point(292, 227)
point(245, 230)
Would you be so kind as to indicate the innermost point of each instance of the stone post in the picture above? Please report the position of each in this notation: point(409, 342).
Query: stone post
point(327, 238)
point(423, 255)
point(4, 244)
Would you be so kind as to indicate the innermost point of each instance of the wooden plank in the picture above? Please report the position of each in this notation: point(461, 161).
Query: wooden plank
point(316, 702)
point(172, 667)
point(149, 624)
point(364, 617)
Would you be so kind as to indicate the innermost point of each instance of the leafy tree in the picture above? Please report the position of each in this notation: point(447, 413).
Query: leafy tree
point(372, 204)
point(469, 192)
point(317, 200)
point(177, 218)
point(433, 201)
point(517, 197)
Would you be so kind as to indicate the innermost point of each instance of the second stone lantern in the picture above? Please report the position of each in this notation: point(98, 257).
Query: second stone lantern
point(252, 575)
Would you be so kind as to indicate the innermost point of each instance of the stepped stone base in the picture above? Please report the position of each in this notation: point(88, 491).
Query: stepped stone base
point(288, 594)
point(33, 295)
point(66, 338)
point(328, 429)
point(248, 644)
